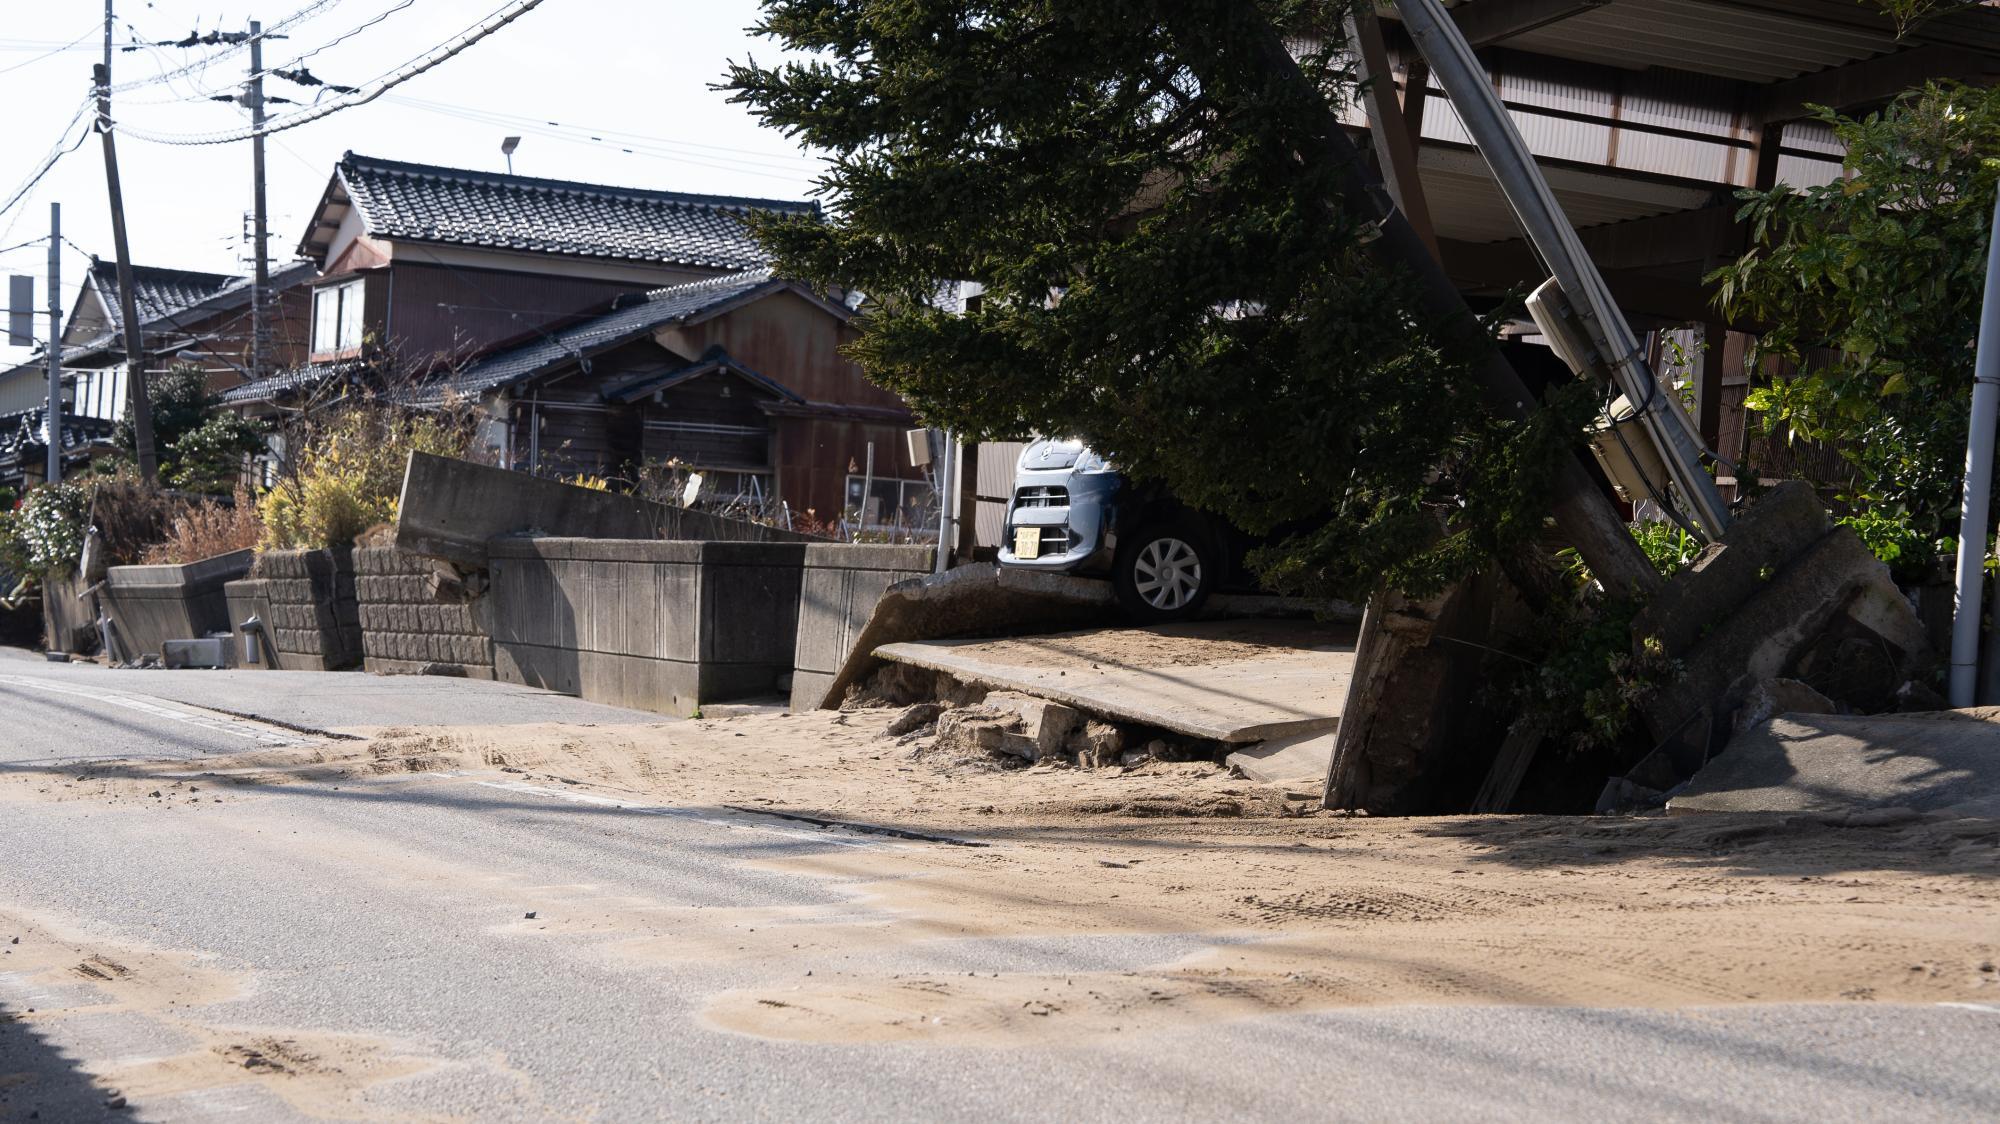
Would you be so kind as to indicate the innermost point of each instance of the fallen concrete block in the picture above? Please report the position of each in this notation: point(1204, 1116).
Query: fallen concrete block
point(1299, 757)
point(1045, 725)
point(914, 717)
point(1828, 763)
point(1793, 628)
point(1766, 536)
point(978, 729)
point(1773, 697)
point(1099, 744)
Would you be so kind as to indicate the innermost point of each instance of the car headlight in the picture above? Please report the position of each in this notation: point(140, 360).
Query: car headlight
point(1090, 461)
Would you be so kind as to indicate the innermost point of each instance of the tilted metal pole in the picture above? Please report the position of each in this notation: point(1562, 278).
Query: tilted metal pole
point(1978, 492)
point(1555, 242)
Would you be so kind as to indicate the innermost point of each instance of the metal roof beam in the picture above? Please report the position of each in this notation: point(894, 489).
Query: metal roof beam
point(1873, 80)
point(1493, 21)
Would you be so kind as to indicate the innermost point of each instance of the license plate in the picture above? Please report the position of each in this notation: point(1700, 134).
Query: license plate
point(1027, 542)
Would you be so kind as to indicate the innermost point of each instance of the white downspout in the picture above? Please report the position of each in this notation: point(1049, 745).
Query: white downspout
point(1978, 493)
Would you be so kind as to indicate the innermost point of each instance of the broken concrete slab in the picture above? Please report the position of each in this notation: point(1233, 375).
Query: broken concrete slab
point(1829, 763)
point(1229, 681)
point(1773, 697)
point(982, 600)
point(1301, 757)
point(1762, 540)
point(1833, 591)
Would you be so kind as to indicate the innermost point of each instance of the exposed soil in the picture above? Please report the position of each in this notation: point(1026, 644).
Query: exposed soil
point(1276, 907)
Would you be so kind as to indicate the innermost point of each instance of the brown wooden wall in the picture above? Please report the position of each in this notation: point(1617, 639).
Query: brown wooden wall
point(784, 337)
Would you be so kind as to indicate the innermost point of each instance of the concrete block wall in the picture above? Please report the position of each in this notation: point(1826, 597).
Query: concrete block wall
point(405, 629)
point(655, 625)
point(840, 586)
point(149, 605)
point(306, 600)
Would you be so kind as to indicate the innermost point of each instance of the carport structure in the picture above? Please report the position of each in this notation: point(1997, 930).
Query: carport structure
point(1646, 116)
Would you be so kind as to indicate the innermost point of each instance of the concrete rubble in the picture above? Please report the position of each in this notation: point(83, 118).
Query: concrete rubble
point(1943, 762)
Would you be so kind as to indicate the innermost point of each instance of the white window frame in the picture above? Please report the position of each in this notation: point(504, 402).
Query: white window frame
point(336, 311)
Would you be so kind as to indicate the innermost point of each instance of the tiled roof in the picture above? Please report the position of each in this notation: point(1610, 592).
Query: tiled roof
point(157, 292)
point(282, 383)
point(422, 203)
point(21, 431)
point(166, 285)
point(619, 326)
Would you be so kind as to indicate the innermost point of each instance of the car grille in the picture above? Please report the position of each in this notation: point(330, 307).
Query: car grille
point(1042, 496)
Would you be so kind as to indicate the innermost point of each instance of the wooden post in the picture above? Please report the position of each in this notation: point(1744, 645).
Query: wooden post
point(1395, 147)
point(968, 501)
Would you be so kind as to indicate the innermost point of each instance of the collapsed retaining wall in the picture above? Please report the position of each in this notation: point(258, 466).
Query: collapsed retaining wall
point(306, 602)
point(655, 625)
point(149, 605)
point(407, 629)
point(839, 589)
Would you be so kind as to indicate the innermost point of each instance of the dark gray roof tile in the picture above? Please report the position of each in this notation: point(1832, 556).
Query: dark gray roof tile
point(423, 203)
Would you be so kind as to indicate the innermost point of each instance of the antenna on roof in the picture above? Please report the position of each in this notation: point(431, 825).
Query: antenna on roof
point(507, 147)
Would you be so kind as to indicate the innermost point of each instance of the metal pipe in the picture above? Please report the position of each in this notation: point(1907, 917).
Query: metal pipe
point(947, 477)
point(1976, 505)
point(1548, 230)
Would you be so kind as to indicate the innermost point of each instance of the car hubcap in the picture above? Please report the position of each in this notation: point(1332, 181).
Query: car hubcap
point(1167, 573)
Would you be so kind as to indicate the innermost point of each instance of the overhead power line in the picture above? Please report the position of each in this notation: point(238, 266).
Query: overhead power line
point(227, 50)
point(362, 96)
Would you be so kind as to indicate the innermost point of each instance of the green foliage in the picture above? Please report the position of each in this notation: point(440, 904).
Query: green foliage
point(209, 458)
point(1871, 288)
point(1587, 685)
point(348, 475)
point(1150, 210)
point(1899, 547)
point(1669, 546)
point(43, 533)
point(201, 445)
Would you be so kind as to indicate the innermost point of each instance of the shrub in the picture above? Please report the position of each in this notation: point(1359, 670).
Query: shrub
point(43, 534)
point(348, 474)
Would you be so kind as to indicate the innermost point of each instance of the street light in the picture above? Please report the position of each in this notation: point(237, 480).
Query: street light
point(507, 147)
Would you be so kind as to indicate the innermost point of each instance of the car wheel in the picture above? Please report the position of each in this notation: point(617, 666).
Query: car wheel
point(1165, 572)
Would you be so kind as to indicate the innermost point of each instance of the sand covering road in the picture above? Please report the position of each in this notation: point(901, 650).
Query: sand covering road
point(1290, 910)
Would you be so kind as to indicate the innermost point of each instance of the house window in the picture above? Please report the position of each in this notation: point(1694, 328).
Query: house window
point(893, 505)
point(337, 317)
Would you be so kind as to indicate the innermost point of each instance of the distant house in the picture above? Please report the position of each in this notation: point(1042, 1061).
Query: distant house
point(550, 304)
point(186, 317)
point(739, 377)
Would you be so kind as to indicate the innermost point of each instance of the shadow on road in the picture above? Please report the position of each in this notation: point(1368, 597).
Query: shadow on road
point(39, 1082)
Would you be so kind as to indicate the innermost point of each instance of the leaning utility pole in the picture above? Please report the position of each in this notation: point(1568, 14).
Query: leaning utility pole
point(128, 306)
point(260, 295)
point(53, 418)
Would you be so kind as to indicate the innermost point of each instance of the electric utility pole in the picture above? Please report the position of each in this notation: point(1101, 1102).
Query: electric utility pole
point(128, 306)
point(54, 416)
point(260, 296)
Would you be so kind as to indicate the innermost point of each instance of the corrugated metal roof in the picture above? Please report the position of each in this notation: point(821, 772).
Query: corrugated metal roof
point(1731, 40)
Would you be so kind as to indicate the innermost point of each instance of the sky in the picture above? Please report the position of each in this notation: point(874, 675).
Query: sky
point(632, 73)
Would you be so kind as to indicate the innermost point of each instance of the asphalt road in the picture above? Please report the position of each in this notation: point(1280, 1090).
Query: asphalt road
point(389, 916)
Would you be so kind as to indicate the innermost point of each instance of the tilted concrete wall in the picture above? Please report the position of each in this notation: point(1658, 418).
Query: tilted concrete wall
point(405, 629)
point(68, 617)
point(841, 584)
point(306, 601)
point(451, 508)
point(655, 625)
point(149, 605)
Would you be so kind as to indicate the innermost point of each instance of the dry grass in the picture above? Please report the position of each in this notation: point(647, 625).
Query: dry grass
point(205, 528)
